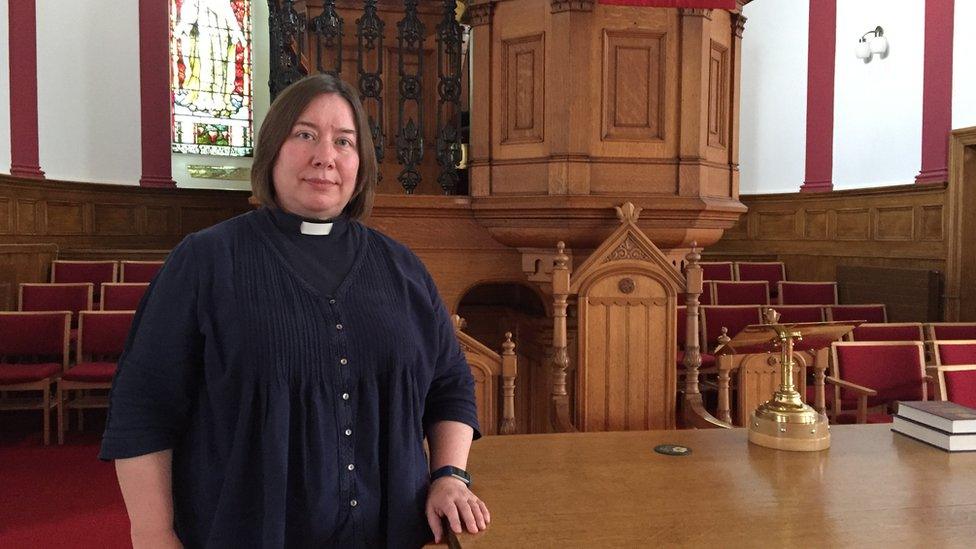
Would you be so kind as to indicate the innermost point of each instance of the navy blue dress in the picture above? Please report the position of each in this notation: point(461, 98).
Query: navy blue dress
point(296, 409)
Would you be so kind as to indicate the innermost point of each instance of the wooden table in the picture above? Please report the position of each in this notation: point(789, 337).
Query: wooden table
point(872, 487)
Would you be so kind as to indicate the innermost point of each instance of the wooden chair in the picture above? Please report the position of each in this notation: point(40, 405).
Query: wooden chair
point(941, 331)
point(717, 270)
point(955, 352)
point(875, 313)
point(488, 367)
point(33, 353)
point(72, 297)
point(807, 293)
point(101, 340)
point(733, 318)
point(772, 272)
point(797, 313)
point(892, 331)
point(957, 383)
point(96, 272)
point(139, 271)
point(869, 374)
point(122, 296)
point(740, 293)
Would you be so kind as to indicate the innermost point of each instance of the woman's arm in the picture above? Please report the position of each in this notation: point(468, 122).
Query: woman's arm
point(449, 497)
point(147, 488)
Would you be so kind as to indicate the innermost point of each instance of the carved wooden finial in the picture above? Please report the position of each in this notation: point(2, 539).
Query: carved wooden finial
point(771, 316)
point(508, 346)
point(561, 260)
point(694, 256)
point(724, 339)
point(627, 212)
point(459, 323)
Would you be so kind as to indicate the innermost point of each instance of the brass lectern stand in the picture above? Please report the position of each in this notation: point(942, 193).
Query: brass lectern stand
point(785, 422)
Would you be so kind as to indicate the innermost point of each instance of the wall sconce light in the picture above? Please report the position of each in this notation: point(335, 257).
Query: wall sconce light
point(878, 44)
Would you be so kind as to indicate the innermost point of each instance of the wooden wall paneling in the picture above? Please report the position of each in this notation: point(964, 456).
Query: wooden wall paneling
point(117, 219)
point(64, 218)
point(718, 97)
point(523, 90)
point(895, 223)
point(634, 77)
point(815, 224)
point(910, 295)
point(26, 216)
point(931, 223)
point(23, 263)
point(961, 227)
point(7, 215)
point(852, 224)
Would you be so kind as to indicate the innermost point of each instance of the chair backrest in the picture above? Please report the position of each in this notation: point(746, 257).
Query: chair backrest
point(494, 375)
point(716, 270)
point(895, 369)
point(139, 271)
point(957, 384)
point(770, 271)
point(807, 293)
point(898, 331)
point(797, 313)
point(102, 334)
point(959, 351)
point(35, 334)
point(873, 313)
point(937, 331)
point(754, 292)
point(96, 272)
point(732, 317)
point(122, 296)
point(55, 297)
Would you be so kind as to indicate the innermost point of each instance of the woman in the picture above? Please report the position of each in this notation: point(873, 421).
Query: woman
point(286, 365)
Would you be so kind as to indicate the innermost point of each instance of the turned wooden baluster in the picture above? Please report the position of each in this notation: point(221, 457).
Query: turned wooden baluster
point(560, 358)
point(724, 364)
point(509, 371)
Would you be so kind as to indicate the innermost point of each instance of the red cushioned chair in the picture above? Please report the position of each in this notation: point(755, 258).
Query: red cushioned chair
point(874, 313)
point(707, 360)
point(96, 272)
point(939, 331)
point(797, 313)
point(33, 353)
point(716, 270)
point(101, 339)
point(72, 297)
point(897, 331)
point(770, 271)
point(957, 384)
point(955, 352)
point(732, 317)
point(122, 296)
point(740, 293)
point(807, 293)
point(139, 271)
point(705, 298)
point(869, 374)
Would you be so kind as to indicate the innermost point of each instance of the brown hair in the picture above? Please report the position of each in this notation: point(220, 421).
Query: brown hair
point(277, 126)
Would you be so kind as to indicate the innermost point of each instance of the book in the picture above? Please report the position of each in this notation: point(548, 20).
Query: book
point(944, 416)
point(935, 437)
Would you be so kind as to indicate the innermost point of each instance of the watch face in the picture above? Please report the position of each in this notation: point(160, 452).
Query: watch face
point(672, 450)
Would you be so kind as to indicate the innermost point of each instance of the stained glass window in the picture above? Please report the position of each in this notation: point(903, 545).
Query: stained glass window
point(210, 58)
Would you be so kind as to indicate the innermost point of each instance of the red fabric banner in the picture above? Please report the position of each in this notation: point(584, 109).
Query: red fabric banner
point(716, 4)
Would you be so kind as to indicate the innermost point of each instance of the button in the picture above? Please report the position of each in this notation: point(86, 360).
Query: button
point(350, 466)
point(348, 432)
point(338, 326)
point(332, 302)
point(343, 361)
point(353, 503)
point(345, 396)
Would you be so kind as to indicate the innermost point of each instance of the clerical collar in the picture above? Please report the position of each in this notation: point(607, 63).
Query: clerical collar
point(291, 223)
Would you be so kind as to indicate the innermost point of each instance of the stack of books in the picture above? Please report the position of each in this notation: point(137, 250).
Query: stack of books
point(946, 425)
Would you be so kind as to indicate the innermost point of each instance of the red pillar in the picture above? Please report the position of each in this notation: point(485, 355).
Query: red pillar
point(24, 158)
point(936, 92)
point(157, 166)
point(820, 96)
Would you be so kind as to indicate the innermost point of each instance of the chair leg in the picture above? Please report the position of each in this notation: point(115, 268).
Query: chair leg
point(47, 415)
point(81, 420)
point(60, 415)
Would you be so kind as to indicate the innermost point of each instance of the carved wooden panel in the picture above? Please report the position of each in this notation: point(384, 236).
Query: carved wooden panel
point(65, 218)
point(117, 219)
point(758, 379)
point(852, 224)
point(815, 224)
point(625, 350)
point(485, 395)
point(523, 89)
point(777, 225)
point(894, 223)
point(193, 219)
point(633, 85)
point(740, 231)
point(6, 215)
point(718, 85)
point(27, 216)
point(157, 221)
point(932, 223)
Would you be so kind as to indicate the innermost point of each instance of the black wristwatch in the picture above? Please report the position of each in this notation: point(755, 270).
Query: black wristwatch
point(452, 471)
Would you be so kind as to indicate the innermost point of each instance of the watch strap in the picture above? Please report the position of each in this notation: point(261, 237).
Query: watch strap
point(451, 471)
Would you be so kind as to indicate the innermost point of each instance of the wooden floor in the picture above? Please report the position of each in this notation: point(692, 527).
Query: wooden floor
point(871, 488)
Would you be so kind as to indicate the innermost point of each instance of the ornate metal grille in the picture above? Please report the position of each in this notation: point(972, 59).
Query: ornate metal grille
point(327, 28)
point(287, 33)
point(449, 34)
point(410, 132)
point(369, 36)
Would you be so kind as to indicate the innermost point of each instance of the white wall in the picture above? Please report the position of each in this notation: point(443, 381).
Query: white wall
point(964, 65)
point(261, 102)
point(88, 90)
point(4, 91)
point(772, 126)
point(878, 105)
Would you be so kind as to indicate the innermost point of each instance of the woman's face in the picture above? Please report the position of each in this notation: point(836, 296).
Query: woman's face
point(315, 172)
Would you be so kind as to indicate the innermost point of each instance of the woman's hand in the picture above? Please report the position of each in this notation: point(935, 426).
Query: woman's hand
point(451, 498)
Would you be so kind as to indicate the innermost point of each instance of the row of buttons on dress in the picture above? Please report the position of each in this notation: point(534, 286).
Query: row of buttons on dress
point(345, 396)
